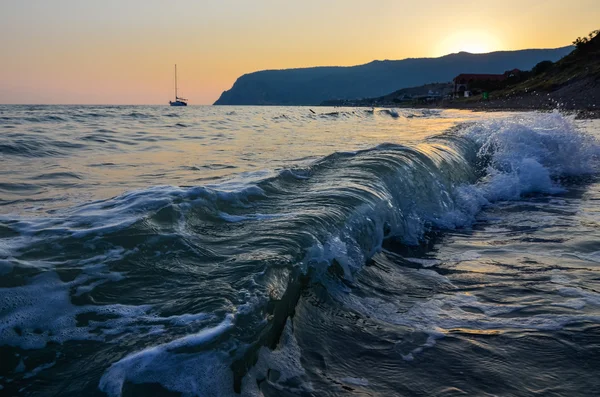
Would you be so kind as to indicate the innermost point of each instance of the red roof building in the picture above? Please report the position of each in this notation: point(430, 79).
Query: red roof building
point(464, 80)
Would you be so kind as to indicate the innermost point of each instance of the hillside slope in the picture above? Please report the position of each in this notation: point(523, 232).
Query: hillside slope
point(311, 86)
point(572, 83)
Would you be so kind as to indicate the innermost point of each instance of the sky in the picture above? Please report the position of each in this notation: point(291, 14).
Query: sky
point(123, 52)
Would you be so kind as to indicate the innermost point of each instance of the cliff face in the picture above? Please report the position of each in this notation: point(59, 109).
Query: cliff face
point(311, 86)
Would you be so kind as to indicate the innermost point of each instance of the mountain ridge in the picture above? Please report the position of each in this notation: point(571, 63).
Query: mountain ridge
point(312, 85)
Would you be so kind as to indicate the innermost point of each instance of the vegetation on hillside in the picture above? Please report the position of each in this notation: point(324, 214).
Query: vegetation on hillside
point(547, 76)
point(583, 62)
point(571, 83)
point(587, 43)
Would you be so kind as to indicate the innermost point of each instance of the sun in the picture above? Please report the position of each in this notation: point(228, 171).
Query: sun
point(475, 42)
point(475, 47)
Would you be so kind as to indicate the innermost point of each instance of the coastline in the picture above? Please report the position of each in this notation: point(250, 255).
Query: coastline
point(493, 106)
point(585, 104)
point(517, 106)
point(581, 97)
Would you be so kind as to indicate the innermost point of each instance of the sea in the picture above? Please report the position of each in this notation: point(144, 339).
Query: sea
point(297, 251)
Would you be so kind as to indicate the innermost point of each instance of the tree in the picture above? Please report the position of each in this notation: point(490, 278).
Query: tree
point(583, 43)
point(541, 67)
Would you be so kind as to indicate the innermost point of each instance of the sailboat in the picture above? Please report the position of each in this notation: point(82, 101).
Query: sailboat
point(178, 101)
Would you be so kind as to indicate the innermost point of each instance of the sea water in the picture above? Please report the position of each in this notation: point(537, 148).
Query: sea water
point(283, 251)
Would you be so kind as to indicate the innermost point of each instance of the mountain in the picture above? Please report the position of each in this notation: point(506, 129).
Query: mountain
point(311, 86)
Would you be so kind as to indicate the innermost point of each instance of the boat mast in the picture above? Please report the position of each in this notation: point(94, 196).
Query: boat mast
point(175, 81)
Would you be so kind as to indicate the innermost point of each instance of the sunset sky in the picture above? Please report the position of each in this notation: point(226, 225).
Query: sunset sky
point(122, 52)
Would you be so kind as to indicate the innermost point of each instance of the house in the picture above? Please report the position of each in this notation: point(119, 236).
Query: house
point(465, 82)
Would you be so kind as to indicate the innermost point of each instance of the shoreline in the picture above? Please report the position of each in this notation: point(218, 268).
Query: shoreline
point(580, 113)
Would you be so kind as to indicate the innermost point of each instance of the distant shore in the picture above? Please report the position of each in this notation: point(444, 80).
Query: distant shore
point(585, 103)
point(581, 97)
point(571, 85)
point(584, 107)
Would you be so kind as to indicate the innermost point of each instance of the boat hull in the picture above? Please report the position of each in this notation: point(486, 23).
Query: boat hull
point(177, 103)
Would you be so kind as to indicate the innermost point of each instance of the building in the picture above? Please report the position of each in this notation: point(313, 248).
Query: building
point(465, 82)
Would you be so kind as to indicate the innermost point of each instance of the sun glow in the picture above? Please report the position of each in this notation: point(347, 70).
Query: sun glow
point(475, 42)
point(74, 51)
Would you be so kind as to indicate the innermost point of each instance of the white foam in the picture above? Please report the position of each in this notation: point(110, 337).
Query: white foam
point(40, 312)
point(192, 374)
point(527, 152)
point(355, 381)
point(182, 319)
point(251, 217)
point(285, 359)
point(591, 298)
point(109, 216)
point(465, 256)
point(38, 369)
point(576, 304)
point(424, 262)
point(560, 279)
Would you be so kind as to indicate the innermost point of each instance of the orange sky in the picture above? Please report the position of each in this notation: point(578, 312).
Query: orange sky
point(122, 52)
